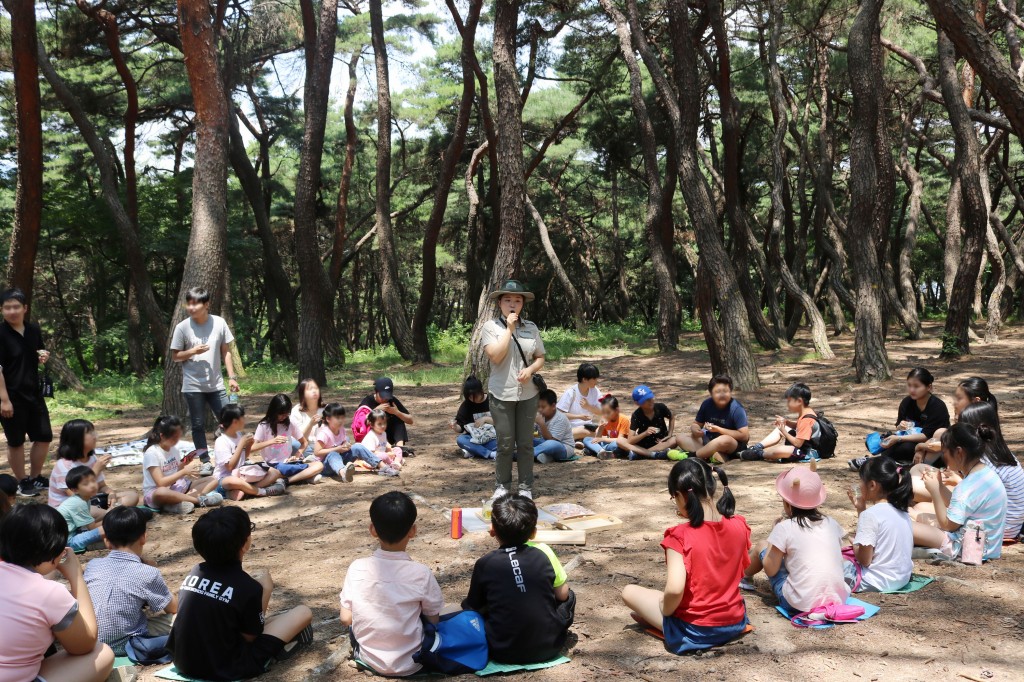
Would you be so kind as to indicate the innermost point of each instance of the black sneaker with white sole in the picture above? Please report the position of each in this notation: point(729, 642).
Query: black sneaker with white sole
point(27, 488)
point(41, 483)
point(302, 641)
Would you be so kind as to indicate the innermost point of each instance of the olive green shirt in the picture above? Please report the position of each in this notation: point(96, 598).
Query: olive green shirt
point(503, 384)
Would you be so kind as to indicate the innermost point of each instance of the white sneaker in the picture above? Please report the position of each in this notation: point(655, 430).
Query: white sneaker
point(206, 470)
point(347, 472)
point(500, 491)
point(180, 508)
point(544, 458)
point(210, 499)
point(385, 470)
point(526, 492)
point(276, 489)
point(467, 454)
point(317, 479)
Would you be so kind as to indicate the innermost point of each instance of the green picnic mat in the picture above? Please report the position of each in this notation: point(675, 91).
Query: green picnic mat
point(122, 661)
point(495, 668)
point(171, 673)
point(915, 584)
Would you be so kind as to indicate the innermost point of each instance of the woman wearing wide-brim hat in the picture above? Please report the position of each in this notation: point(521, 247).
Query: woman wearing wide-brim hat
point(513, 393)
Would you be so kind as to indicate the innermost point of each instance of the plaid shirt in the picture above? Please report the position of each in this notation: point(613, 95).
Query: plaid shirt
point(121, 586)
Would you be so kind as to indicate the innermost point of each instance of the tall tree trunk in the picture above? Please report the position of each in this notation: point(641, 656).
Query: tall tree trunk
point(668, 336)
point(124, 223)
point(474, 241)
point(959, 21)
point(449, 164)
point(995, 298)
point(871, 191)
point(966, 165)
point(510, 169)
point(713, 336)
point(573, 297)
point(345, 184)
point(28, 194)
point(916, 184)
point(819, 333)
point(316, 322)
point(387, 257)
point(205, 261)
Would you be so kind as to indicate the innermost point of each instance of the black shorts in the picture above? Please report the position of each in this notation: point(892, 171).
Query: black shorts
point(31, 419)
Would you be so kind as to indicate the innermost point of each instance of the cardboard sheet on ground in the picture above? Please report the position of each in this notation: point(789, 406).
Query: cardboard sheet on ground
point(494, 668)
point(869, 610)
point(171, 673)
point(915, 584)
point(573, 516)
point(129, 454)
point(473, 523)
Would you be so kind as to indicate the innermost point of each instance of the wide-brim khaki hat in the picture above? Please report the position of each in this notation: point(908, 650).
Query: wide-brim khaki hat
point(512, 286)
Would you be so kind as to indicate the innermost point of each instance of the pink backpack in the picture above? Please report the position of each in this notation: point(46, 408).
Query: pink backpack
point(359, 427)
point(829, 613)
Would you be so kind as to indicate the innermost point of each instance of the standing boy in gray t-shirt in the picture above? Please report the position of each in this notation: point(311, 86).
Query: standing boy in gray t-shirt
point(199, 343)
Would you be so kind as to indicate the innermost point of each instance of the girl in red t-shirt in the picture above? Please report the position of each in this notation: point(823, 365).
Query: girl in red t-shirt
point(701, 605)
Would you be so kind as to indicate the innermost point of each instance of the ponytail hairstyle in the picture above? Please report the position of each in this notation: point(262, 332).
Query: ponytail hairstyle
point(72, 439)
point(976, 389)
point(984, 416)
point(695, 479)
point(922, 375)
point(332, 410)
point(969, 438)
point(610, 400)
point(230, 413)
point(165, 426)
point(279, 404)
point(894, 480)
point(373, 416)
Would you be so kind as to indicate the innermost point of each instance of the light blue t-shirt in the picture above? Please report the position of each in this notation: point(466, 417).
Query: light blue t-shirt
point(75, 511)
point(980, 497)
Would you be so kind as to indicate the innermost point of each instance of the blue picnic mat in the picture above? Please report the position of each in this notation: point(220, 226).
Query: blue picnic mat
point(869, 610)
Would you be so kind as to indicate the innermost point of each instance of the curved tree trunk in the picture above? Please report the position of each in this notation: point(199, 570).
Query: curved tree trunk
point(387, 257)
point(510, 169)
point(871, 190)
point(819, 332)
point(905, 274)
point(966, 165)
point(575, 305)
point(449, 162)
point(705, 295)
point(474, 271)
point(28, 194)
point(316, 323)
point(345, 184)
point(205, 261)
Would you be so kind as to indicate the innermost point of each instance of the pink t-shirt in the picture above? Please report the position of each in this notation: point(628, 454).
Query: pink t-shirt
point(329, 439)
point(223, 451)
point(387, 592)
point(58, 487)
point(376, 445)
point(274, 454)
point(32, 609)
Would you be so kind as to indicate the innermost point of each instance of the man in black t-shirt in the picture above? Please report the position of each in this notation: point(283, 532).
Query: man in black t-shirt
point(651, 428)
point(383, 398)
point(520, 589)
point(22, 408)
point(220, 632)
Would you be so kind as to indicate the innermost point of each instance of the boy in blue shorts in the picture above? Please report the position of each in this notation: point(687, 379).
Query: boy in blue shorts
point(520, 588)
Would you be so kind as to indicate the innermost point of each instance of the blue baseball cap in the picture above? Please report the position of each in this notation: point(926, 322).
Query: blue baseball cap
point(642, 393)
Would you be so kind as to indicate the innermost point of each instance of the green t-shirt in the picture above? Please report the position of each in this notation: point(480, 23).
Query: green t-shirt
point(75, 511)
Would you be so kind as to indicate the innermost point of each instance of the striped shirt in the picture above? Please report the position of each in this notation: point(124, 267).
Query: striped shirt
point(1013, 480)
point(980, 497)
point(121, 586)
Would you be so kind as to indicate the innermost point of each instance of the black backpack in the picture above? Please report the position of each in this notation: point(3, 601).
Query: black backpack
point(828, 437)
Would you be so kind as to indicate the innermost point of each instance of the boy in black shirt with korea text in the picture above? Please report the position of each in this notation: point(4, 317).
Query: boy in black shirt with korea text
point(520, 589)
point(220, 632)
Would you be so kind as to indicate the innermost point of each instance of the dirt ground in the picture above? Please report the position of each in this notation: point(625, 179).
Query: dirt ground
point(308, 538)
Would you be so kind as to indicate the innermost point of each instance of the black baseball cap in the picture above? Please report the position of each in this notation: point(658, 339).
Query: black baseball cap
point(385, 388)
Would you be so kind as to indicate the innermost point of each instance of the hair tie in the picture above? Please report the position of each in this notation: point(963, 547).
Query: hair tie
point(899, 470)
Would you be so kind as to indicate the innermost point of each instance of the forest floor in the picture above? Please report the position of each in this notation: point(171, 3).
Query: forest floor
point(308, 537)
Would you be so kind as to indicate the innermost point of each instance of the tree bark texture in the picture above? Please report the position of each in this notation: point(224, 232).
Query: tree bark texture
point(28, 193)
point(573, 296)
point(205, 260)
point(316, 320)
point(966, 165)
point(345, 184)
point(870, 192)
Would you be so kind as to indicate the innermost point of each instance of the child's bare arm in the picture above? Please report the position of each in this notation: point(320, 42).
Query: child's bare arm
point(562, 592)
point(864, 553)
point(346, 616)
point(190, 469)
point(675, 582)
point(773, 561)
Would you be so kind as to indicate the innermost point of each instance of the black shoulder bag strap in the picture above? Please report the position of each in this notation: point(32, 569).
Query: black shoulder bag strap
point(538, 380)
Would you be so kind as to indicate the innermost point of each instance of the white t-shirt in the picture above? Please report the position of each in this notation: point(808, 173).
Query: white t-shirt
point(223, 451)
point(814, 560)
point(891, 533)
point(301, 419)
point(378, 445)
point(201, 373)
point(571, 402)
point(169, 462)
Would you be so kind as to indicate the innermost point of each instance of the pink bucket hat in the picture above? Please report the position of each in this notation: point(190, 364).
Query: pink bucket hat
point(801, 487)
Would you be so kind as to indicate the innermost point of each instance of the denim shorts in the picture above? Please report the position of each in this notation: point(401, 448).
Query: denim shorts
point(681, 636)
point(777, 581)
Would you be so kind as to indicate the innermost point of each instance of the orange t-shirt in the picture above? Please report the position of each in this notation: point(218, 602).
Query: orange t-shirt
point(615, 429)
point(805, 426)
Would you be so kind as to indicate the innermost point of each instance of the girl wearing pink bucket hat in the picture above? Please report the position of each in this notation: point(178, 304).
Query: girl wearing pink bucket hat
point(802, 556)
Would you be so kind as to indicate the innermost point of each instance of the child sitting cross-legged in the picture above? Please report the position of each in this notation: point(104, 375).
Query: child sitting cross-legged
point(604, 444)
point(720, 428)
point(386, 595)
point(652, 427)
point(791, 439)
point(473, 422)
point(581, 403)
point(802, 556)
point(83, 528)
point(556, 443)
point(133, 605)
point(168, 483)
point(884, 542)
point(520, 588)
point(701, 605)
point(236, 477)
point(337, 452)
point(222, 632)
point(376, 442)
point(77, 446)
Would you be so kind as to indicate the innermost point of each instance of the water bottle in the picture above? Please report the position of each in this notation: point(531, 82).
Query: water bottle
point(233, 398)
